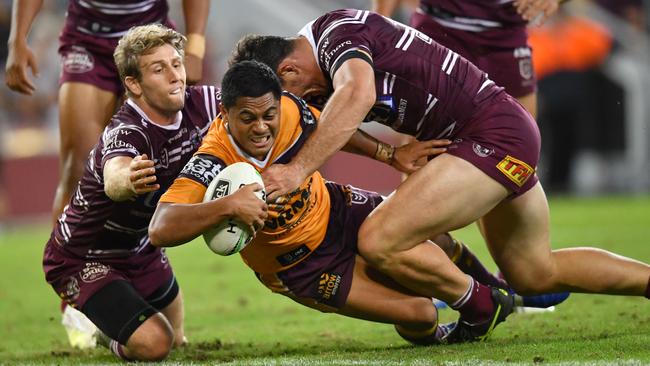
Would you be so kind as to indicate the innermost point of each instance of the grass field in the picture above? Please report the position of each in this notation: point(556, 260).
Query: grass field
point(231, 318)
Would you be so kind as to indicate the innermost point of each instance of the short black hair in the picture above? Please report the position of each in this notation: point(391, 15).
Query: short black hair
point(270, 50)
point(248, 79)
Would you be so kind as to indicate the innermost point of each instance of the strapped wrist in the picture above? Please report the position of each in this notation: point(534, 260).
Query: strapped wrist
point(385, 153)
point(195, 45)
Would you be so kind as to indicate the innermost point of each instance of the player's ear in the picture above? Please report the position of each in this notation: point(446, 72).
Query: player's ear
point(133, 85)
point(224, 112)
point(286, 68)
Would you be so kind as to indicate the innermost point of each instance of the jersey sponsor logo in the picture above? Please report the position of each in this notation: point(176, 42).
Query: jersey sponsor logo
point(327, 56)
point(94, 271)
point(113, 140)
point(78, 60)
point(482, 151)
point(291, 213)
point(293, 256)
point(328, 285)
point(516, 170)
point(202, 168)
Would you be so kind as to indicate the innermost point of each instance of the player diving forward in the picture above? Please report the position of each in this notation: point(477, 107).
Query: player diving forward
point(306, 247)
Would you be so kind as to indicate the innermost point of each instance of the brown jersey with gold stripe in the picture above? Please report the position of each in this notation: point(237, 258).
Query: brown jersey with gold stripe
point(294, 229)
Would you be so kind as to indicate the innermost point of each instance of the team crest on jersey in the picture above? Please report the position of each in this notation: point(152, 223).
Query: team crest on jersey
point(526, 68)
point(78, 60)
point(482, 151)
point(516, 170)
point(94, 271)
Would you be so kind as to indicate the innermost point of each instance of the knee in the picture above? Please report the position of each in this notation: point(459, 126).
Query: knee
point(532, 282)
point(446, 243)
point(372, 247)
point(151, 342)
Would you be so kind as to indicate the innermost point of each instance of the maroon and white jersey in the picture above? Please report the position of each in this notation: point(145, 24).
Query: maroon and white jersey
point(112, 19)
point(94, 226)
point(495, 22)
point(423, 88)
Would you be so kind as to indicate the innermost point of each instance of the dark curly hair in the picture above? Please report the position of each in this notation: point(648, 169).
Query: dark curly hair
point(248, 79)
point(270, 50)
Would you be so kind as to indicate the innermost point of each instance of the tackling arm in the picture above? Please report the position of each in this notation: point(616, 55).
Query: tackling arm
point(354, 95)
point(406, 158)
point(126, 177)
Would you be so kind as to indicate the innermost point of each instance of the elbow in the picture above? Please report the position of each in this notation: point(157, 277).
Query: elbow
point(157, 235)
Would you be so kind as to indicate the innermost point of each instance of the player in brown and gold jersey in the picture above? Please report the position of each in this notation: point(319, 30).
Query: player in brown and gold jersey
point(306, 248)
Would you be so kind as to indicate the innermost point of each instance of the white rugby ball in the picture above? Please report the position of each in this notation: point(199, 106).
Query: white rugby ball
point(231, 236)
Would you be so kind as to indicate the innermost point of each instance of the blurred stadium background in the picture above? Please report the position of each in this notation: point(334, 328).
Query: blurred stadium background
point(593, 61)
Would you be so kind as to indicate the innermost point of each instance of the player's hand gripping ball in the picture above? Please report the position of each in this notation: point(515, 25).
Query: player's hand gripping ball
point(231, 236)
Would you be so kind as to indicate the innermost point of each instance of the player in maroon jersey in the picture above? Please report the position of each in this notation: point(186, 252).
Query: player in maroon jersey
point(99, 258)
point(375, 69)
point(89, 78)
point(88, 74)
point(491, 34)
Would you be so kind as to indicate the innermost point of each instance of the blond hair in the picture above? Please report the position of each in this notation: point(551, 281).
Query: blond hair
point(141, 40)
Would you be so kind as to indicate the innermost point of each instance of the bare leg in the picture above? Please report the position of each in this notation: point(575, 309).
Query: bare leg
point(376, 297)
point(517, 233)
point(84, 111)
point(389, 236)
point(175, 313)
point(529, 101)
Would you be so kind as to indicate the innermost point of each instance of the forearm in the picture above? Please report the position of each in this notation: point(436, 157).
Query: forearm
point(23, 13)
point(196, 15)
point(338, 122)
point(366, 145)
point(117, 185)
point(385, 7)
point(176, 223)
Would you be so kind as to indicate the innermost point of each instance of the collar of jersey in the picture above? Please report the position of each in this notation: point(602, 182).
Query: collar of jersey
point(174, 126)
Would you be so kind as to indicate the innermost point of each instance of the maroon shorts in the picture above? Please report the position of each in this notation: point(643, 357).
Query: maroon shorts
point(325, 277)
point(503, 141)
point(509, 67)
point(76, 279)
point(84, 63)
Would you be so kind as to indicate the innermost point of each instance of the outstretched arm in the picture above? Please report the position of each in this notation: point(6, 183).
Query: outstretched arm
point(354, 95)
point(196, 18)
point(126, 177)
point(177, 223)
point(20, 56)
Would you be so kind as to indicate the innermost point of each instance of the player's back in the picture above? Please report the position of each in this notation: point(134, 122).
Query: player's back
point(423, 88)
point(94, 226)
